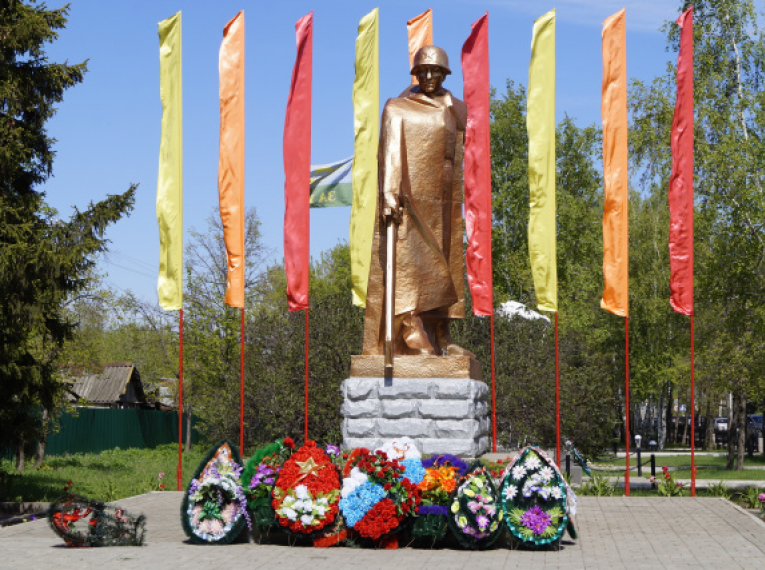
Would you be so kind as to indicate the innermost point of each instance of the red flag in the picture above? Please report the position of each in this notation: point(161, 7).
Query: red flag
point(681, 181)
point(475, 73)
point(297, 169)
point(231, 156)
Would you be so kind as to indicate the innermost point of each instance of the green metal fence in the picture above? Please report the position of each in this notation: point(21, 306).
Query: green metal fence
point(92, 430)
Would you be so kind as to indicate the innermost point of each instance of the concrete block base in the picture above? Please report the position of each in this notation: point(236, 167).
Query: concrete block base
point(442, 415)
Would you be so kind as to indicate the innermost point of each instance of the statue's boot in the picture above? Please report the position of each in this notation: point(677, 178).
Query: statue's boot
point(415, 337)
point(445, 342)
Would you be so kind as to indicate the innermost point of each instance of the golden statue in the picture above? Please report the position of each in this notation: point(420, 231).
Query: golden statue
point(420, 211)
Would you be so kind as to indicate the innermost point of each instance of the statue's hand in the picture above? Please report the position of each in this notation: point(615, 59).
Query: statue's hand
point(393, 213)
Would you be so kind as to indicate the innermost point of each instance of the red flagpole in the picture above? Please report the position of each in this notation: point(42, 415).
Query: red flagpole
point(693, 418)
point(493, 392)
point(180, 408)
point(557, 394)
point(305, 435)
point(241, 395)
point(627, 390)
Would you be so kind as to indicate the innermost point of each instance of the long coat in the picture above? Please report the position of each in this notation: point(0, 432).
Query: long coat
point(420, 169)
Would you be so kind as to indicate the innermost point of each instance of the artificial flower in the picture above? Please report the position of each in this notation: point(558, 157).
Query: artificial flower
point(532, 462)
point(510, 492)
point(547, 473)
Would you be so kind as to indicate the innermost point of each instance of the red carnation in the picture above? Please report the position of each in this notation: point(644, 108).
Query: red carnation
point(288, 442)
point(387, 486)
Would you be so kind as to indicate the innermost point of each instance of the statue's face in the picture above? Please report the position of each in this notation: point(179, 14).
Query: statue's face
point(430, 77)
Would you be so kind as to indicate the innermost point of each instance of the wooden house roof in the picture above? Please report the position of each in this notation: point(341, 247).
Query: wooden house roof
point(109, 386)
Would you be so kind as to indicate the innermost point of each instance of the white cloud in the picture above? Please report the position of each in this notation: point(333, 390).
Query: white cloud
point(642, 15)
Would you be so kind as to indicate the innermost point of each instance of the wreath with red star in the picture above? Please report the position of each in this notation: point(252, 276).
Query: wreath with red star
point(306, 493)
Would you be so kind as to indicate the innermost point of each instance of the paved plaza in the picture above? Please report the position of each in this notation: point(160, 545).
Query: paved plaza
point(615, 532)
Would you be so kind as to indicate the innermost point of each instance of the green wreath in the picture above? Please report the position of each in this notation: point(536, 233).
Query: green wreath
point(533, 498)
point(227, 486)
point(475, 515)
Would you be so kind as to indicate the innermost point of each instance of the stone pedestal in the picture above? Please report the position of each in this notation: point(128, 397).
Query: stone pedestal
point(442, 415)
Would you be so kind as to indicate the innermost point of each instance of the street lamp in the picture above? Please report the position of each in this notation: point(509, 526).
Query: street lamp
point(638, 440)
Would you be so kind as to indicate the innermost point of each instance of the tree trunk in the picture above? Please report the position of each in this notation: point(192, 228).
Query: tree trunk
point(741, 421)
point(710, 442)
point(188, 430)
point(43, 440)
point(20, 455)
point(737, 433)
point(661, 436)
point(732, 432)
point(677, 420)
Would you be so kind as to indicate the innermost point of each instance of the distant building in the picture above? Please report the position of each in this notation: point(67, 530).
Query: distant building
point(118, 385)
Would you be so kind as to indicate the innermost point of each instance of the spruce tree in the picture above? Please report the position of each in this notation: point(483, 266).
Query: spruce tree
point(43, 260)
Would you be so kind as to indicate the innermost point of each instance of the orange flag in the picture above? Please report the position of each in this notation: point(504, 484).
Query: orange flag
point(231, 157)
point(420, 33)
point(615, 219)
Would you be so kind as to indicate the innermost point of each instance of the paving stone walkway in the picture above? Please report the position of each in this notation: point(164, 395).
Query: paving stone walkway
point(615, 532)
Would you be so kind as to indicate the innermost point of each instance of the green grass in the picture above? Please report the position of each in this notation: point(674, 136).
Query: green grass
point(701, 459)
point(721, 474)
point(110, 475)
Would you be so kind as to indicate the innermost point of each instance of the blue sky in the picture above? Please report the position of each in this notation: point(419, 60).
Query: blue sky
point(108, 128)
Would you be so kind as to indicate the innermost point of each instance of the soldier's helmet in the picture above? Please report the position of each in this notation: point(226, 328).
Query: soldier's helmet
point(431, 55)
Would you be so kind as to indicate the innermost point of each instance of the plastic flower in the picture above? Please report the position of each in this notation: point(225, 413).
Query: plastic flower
point(414, 471)
point(532, 461)
point(518, 472)
point(536, 519)
point(547, 473)
point(474, 506)
point(301, 492)
point(557, 493)
point(332, 450)
point(510, 492)
point(482, 522)
point(761, 497)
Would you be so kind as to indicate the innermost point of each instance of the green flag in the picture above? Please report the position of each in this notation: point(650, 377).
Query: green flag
point(331, 184)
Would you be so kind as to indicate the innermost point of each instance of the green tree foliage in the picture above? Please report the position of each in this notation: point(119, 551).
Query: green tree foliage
point(730, 203)
point(44, 261)
point(212, 329)
point(525, 350)
point(277, 373)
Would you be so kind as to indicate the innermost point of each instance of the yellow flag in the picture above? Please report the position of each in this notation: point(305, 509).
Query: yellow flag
point(540, 123)
point(366, 114)
point(170, 178)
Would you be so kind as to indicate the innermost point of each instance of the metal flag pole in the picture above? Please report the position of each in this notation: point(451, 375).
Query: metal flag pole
point(627, 407)
point(241, 388)
point(180, 406)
